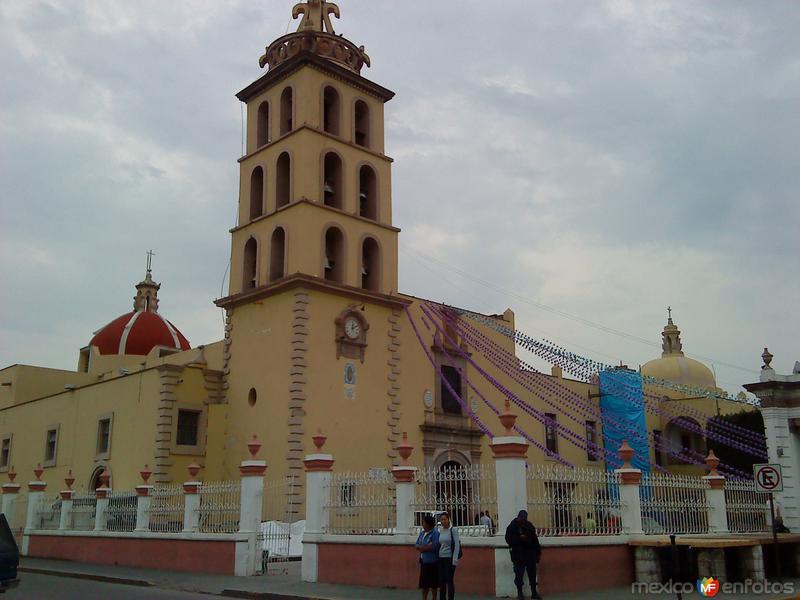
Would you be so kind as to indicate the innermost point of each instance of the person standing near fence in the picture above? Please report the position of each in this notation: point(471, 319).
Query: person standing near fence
point(486, 522)
point(525, 552)
point(428, 547)
point(449, 553)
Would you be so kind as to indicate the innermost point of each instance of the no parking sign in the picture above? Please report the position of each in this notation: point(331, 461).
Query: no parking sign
point(768, 478)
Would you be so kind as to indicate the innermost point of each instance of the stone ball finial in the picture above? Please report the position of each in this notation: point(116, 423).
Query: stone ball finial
point(194, 469)
point(319, 440)
point(713, 462)
point(404, 448)
point(145, 474)
point(12, 474)
point(38, 472)
point(766, 356)
point(253, 447)
point(626, 454)
point(508, 419)
point(69, 479)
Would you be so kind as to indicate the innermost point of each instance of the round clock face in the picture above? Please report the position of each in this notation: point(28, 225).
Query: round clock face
point(352, 328)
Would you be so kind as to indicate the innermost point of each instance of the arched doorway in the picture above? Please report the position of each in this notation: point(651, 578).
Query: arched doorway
point(453, 492)
point(94, 480)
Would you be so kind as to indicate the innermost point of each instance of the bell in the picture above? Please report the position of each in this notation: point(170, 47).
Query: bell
point(328, 264)
point(363, 196)
point(328, 189)
point(364, 272)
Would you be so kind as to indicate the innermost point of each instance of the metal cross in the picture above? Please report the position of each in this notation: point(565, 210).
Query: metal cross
point(150, 255)
point(669, 311)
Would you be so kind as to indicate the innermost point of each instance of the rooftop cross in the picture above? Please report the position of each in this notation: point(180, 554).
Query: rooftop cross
point(315, 15)
point(150, 255)
point(669, 312)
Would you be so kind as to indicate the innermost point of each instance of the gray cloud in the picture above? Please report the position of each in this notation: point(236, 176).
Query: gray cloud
point(607, 159)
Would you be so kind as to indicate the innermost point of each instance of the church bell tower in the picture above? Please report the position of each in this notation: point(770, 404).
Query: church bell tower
point(315, 191)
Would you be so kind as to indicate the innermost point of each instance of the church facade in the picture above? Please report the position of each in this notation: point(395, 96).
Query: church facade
point(317, 335)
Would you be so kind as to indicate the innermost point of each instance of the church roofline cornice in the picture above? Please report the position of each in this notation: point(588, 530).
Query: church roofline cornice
point(285, 69)
point(306, 126)
point(319, 205)
point(300, 280)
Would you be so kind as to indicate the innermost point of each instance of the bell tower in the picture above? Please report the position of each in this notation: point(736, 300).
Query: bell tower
point(315, 184)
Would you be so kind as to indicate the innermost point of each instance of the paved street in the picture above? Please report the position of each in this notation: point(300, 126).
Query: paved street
point(34, 586)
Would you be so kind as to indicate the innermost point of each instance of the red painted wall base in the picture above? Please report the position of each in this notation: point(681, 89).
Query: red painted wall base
point(204, 556)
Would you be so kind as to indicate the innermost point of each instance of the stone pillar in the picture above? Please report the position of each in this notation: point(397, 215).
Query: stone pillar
point(144, 500)
point(10, 495)
point(191, 500)
point(751, 563)
point(711, 563)
point(318, 468)
point(630, 478)
point(780, 408)
point(715, 496)
point(36, 489)
point(405, 484)
point(101, 509)
point(251, 472)
point(66, 503)
point(509, 453)
point(648, 568)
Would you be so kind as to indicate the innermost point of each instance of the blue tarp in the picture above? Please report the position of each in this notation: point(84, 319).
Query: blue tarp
point(621, 400)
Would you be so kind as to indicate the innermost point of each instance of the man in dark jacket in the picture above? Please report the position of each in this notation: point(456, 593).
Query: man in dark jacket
point(525, 552)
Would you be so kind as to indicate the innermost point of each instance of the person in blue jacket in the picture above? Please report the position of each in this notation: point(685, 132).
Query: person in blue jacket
point(428, 547)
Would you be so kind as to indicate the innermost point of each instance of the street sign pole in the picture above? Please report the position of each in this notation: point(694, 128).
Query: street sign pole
point(775, 537)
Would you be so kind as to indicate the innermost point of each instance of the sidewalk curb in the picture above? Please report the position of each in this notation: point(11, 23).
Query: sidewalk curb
point(264, 595)
point(90, 576)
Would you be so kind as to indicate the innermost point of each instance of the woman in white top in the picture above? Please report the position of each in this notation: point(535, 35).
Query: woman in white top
point(449, 550)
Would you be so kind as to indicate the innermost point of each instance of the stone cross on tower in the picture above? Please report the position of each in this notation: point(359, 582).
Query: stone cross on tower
point(315, 15)
point(150, 255)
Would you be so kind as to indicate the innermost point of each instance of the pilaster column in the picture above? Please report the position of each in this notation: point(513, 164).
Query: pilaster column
point(510, 453)
point(66, 503)
point(144, 500)
point(102, 494)
point(191, 500)
point(318, 469)
point(629, 480)
point(715, 496)
point(405, 477)
point(36, 489)
point(10, 495)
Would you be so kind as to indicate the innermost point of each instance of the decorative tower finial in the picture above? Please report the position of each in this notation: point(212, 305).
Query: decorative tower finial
point(316, 15)
point(671, 338)
point(767, 357)
point(146, 299)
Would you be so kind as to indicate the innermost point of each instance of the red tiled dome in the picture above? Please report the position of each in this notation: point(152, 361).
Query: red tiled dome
point(138, 332)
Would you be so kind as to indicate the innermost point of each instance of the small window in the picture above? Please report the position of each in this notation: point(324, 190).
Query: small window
point(287, 109)
point(450, 403)
point(362, 124)
point(252, 397)
point(5, 452)
point(330, 110)
point(367, 193)
point(188, 427)
point(262, 133)
point(256, 193)
point(333, 261)
point(277, 254)
point(249, 271)
point(370, 265)
point(550, 432)
point(333, 181)
point(103, 435)
point(51, 446)
point(283, 180)
point(592, 450)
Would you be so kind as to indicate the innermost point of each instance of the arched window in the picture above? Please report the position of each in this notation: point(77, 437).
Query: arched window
point(361, 120)
point(283, 180)
point(277, 254)
point(330, 110)
point(368, 193)
point(370, 265)
point(332, 180)
point(256, 193)
point(250, 264)
point(333, 261)
point(287, 100)
point(262, 129)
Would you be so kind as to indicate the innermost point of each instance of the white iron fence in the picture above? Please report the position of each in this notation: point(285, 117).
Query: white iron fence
point(464, 492)
point(121, 512)
point(748, 511)
point(277, 543)
point(673, 504)
point(166, 509)
point(48, 513)
point(84, 508)
point(581, 501)
point(219, 507)
point(362, 503)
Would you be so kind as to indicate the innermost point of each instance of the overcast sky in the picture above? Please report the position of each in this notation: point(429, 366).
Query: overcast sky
point(605, 159)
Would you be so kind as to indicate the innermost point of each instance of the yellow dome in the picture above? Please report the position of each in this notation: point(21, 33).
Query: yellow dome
point(680, 369)
point(674, 366)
